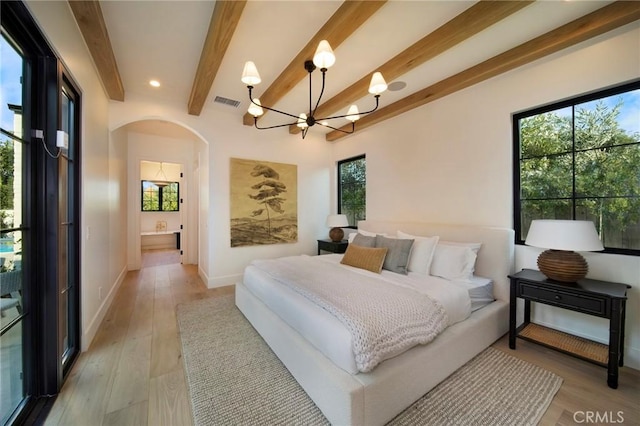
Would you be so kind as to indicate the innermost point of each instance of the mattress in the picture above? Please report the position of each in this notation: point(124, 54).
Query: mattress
point(325, 332)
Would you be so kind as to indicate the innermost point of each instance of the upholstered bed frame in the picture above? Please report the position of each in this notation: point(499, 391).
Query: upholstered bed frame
point(375, 398)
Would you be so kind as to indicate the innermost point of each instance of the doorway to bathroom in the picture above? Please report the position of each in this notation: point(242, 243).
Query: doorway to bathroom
point(161, 213)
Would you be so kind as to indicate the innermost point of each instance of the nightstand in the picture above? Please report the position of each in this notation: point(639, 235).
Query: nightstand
point(592, 297)
point(333, 247)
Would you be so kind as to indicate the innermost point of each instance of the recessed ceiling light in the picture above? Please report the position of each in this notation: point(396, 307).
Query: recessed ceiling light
point(396, 85)
point(154, 83)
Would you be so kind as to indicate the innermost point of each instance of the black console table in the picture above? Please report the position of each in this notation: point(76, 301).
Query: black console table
point(333, 246)
point(592, 297)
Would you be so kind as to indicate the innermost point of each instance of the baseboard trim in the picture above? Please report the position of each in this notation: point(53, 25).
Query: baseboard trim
point(90, 331)
point(223, 281)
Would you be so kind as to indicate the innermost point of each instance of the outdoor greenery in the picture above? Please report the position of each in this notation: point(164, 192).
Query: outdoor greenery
point(352, 176)
point(6, 183)
point(156, 198)
point(584, 168)
point(6, 175)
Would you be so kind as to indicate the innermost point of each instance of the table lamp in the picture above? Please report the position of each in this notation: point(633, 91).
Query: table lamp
point(336, 222)
point(562, 238)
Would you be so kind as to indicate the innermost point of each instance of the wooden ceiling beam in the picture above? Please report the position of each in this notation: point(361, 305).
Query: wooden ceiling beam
point(349, 16)
point(467, 24)
point(224, 20)
point(88, 15)
point(596, 23)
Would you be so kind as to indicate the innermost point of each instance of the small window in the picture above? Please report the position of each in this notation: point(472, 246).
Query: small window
point(352, 189)
point(579, 159)
point(160, 196)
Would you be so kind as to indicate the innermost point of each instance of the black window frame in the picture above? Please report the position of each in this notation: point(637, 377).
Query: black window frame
point(571, 102)
point(339, 185)
point(160, 195)
point(44, 371)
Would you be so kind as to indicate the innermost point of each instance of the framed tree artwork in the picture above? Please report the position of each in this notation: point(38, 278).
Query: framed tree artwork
point(264, 202)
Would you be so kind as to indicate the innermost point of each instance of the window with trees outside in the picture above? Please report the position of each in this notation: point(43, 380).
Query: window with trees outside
point(160, 197)
point(352, 189)
point(580, 159)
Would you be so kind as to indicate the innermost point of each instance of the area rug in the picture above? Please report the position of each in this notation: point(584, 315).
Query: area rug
point(234, 378)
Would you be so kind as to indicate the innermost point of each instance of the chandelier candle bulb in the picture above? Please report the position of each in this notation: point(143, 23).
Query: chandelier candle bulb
point(324, 57)
point(250, 75)
point(353, 114)
point(378, 85)
point(302, 121)
point(255, 108)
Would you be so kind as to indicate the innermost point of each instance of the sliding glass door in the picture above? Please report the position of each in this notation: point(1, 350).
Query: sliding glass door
point(39, 219)
point(68, 232)
point(14, 234)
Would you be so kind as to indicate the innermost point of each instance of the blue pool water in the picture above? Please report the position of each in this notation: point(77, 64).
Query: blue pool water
point(6, 246)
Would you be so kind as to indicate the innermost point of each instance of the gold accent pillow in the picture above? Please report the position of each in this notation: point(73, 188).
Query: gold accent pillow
point(368, 258)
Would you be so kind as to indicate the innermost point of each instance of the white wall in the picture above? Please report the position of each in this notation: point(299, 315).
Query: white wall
point(451, 161)
point(201, 211)
point(102, 264)
point(117, 206)
point(227, 138)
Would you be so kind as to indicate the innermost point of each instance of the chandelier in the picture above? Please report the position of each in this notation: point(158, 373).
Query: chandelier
point(323, 59)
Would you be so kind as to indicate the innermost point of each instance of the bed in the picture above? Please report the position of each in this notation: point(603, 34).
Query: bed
point(347, 396)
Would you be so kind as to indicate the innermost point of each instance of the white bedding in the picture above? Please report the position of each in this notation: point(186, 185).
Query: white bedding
point(327, 333)
point(480, 291)
point(375, 398)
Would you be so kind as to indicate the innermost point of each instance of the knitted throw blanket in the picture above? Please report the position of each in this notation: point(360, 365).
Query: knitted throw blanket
point(384, 319)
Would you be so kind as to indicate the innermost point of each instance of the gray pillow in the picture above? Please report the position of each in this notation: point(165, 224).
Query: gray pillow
point(398, 251)
point(364, 241)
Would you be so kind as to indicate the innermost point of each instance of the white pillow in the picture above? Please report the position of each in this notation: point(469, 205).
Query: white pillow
point(365, 233)
point(421, 253)
point(473, 246)
point(453, 262)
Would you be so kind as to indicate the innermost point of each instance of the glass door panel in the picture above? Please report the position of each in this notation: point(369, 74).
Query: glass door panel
point(12, 233)
point(67, 288)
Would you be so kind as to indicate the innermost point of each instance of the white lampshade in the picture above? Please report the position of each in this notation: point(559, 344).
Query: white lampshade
point(302, 121)
point(353, 114)
point(255, 110)
point(250, 75)
point(378, 85)
point(324, 57)
point(570, 235)
point(337, 220)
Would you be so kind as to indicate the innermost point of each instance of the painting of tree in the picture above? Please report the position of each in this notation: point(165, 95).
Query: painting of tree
point(263, 203)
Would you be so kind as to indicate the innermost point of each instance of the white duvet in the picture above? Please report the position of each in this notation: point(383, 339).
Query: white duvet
point(326, 332)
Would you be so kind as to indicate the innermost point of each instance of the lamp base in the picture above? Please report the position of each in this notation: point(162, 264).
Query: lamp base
point(336, 234)
point(562, 265)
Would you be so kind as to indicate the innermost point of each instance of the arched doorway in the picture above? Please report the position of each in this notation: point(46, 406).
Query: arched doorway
point(156, 141)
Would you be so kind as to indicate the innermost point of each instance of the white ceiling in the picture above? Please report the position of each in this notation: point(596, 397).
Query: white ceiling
point(163, 40)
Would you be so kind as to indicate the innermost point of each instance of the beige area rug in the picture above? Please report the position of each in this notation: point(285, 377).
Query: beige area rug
point(235, 379)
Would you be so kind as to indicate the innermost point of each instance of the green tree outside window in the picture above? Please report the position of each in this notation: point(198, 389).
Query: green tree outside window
point(160, 198)
point(581, 160)
point(352, 189)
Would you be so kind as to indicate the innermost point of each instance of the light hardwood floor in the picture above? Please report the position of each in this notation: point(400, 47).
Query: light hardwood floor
point(133, 375)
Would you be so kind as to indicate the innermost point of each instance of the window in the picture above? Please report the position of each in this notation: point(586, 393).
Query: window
point(580, 159)
point(352, 189)
point(160, 196)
